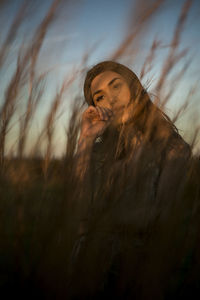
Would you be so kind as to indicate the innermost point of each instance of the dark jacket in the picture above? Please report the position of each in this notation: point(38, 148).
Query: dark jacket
point(130, 181)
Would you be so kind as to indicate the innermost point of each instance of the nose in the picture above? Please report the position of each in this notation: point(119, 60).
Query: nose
point(113, 100)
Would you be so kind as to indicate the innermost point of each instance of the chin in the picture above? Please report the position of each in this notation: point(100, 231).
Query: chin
point(116, 122)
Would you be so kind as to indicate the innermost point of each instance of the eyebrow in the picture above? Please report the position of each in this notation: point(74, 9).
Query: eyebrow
point(110, 83)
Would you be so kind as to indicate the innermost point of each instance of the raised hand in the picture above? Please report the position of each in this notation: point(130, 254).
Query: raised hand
point(94, 121)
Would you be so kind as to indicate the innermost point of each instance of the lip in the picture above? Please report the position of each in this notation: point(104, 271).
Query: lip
point(118, 108)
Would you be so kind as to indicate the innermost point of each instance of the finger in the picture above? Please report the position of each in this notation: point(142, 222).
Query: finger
point(107, 112)
point(91, 109)
point(88, 111)
point(91, 112)
point(101, 114)
point(104, 113)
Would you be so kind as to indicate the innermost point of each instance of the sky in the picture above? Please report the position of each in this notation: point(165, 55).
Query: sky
point(83, 25)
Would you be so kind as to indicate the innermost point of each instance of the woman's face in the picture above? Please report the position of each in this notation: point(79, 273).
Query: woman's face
point(110, 90)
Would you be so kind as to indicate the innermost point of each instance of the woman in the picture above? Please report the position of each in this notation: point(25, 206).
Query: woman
point(117, 100)
point(126, 150)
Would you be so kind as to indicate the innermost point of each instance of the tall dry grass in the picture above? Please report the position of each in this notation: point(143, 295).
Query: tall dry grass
point(150, 242)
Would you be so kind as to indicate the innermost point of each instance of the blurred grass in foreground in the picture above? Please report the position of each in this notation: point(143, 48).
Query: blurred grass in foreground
point(39, 203)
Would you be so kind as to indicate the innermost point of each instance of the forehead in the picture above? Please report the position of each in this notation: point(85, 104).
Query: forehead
point(102, 80)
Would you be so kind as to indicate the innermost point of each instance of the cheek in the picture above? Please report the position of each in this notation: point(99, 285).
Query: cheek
point(125, 96)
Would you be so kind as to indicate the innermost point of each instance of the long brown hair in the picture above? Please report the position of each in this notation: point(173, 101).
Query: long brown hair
point(146, 116)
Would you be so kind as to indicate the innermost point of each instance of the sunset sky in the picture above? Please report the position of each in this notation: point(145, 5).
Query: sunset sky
point(83, 24)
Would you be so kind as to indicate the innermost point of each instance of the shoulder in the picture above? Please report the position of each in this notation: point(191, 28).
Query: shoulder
point(178, 148)
point(171, 141)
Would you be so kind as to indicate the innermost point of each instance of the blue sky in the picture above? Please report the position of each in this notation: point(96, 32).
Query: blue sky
point(83, 23)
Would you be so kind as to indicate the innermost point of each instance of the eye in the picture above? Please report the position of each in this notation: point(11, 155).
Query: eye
point(100, 98)
point(116, 86)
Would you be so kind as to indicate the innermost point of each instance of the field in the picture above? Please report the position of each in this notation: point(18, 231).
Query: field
point(42, 203)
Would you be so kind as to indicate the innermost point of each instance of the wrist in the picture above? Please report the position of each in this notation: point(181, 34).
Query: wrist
point(86, 141)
